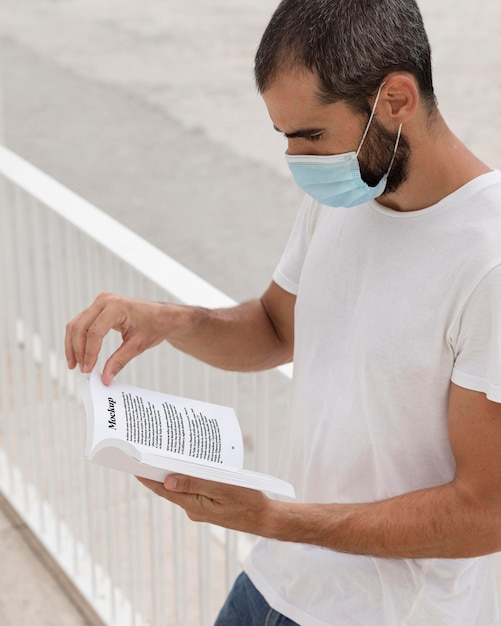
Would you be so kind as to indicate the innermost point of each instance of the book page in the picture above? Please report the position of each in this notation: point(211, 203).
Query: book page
point(172, 424)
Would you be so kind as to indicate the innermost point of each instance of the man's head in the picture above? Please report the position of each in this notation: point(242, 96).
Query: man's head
point(319, 67)
point(351, 46)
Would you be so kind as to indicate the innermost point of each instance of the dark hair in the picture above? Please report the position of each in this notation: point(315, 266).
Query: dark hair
point(352, 45)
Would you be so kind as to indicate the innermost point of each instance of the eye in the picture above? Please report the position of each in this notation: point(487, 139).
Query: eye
point(315, 137)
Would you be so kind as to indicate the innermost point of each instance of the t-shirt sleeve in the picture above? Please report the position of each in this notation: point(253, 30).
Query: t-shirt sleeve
point(288, 270)
point(478, 350)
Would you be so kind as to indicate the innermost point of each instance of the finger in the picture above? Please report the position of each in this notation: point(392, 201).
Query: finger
point(107, 320)
point(76, 332)
point(71, 359)
point(113, 316)
point(76, 338)
point(118, 360)
point(133, 345)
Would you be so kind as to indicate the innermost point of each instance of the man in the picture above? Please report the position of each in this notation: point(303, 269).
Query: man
point(388, 296)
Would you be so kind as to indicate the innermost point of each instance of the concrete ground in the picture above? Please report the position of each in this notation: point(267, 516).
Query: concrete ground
point(32, 591)
point(148, 109)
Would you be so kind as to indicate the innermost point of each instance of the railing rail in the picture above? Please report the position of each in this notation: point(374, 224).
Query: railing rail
point(135, 559)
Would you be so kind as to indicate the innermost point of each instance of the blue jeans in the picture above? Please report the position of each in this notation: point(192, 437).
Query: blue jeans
point(245, 606)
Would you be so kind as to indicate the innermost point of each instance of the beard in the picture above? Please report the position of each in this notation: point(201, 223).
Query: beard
point(376, 154)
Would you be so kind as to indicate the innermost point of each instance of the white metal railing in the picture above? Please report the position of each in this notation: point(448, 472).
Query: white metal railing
point(135, 559)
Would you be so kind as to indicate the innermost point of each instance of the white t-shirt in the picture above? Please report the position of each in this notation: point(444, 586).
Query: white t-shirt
point(391, 306)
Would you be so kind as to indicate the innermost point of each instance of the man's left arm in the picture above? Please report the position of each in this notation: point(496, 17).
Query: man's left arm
point(459, 519)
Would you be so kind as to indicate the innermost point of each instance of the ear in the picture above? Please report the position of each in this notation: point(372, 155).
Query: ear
point(399, 97)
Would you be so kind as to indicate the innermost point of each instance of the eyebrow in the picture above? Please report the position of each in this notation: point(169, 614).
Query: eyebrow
point(303, 132)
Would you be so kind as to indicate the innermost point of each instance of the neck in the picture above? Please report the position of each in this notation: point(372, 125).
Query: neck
point(439, 165)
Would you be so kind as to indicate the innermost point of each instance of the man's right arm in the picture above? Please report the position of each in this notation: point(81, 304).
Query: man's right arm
point(252, 336)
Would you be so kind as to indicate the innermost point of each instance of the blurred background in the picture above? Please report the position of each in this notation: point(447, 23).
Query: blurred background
point(148, 109)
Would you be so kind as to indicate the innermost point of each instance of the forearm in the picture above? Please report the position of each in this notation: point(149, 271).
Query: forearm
point(460, 519)
point(249, 337)
point(238, 338)
point(440, 522)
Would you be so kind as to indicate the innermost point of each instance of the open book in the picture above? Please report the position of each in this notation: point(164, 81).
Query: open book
point(152, 434)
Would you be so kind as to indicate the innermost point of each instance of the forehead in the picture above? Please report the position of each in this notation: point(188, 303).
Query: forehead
point(292, 104)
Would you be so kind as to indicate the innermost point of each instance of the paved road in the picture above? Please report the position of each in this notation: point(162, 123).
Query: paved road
point(148, 109)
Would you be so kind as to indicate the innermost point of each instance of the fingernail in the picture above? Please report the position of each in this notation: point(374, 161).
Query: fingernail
point(171, 483)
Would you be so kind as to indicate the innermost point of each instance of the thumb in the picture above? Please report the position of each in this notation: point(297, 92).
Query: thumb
point(115, 364)
point(177, 482)
point(190, 485)
point(184, 484)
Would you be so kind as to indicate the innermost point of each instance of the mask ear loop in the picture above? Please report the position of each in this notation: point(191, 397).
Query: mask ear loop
point(395, 149)
point(370, 118)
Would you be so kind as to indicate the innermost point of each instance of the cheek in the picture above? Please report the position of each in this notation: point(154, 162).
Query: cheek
point(296, 147)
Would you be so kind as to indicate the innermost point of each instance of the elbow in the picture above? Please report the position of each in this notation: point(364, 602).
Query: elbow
point(485, 531)
point(490, 531)
point(481, 542)
point(481, 512)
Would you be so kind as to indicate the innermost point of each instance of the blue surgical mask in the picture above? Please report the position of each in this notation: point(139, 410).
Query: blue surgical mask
point(336, 180)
